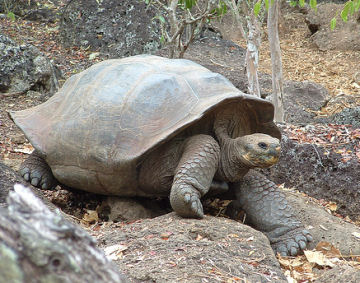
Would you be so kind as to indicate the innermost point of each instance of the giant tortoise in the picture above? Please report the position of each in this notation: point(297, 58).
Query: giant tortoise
point(151, 126)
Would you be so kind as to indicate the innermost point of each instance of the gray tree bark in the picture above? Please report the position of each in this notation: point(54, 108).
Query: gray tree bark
point(276, 64)
point(38, 245)
point(252, 35)
point(252, 54)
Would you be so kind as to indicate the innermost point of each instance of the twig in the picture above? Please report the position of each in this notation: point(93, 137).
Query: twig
point(2, 95)
point(218, 64)
point(318, 155)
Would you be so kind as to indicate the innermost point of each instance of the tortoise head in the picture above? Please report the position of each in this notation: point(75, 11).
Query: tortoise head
point(246, 152)
point(257, 150)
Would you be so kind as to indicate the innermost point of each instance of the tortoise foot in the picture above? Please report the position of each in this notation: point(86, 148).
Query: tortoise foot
point(292, 243)
point(185, 201)
point(36, 171)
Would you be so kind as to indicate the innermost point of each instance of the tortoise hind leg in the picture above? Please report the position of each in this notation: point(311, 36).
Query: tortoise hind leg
point(194, 175)
point(36, 171)
point(267, 210)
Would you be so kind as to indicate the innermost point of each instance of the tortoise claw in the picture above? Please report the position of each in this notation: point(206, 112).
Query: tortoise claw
point(37, 172)
point(185, 201)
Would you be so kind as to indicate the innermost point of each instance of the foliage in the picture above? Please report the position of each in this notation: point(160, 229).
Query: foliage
point(11, 16)
point(182, 20)
point(350, 7)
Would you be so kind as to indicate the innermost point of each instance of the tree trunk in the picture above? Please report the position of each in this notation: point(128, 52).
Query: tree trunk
point(277, 77)
point(37, 245)
point(252, 54)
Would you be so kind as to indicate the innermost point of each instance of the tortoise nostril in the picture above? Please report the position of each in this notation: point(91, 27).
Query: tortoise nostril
point(262, 145)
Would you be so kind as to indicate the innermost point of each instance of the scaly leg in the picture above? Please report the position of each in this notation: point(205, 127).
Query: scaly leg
point(194, 174)
point(267, 210)
point(36, 171)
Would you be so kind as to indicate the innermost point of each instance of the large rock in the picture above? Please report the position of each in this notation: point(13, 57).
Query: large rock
point(173, 249)
point(302, 99)
point(37, 245)
point(118, 28)
point(323, 226)
point(24, 68)
point(346, 35)
point(338, 274)
point(348, 116)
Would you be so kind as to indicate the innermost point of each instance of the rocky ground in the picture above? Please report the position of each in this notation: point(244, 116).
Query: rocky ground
point(337, 71)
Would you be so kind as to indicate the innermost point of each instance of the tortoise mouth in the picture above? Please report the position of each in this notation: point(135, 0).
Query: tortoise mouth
point(261, 161)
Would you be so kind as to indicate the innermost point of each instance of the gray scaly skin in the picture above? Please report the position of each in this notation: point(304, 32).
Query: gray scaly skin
point(188, 167)
point(267, 210)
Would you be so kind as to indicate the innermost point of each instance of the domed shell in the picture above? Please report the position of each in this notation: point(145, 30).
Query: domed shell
point(109, 115)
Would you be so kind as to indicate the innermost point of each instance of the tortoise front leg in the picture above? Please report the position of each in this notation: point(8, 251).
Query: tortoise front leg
point(36, 171)
point(194, 174)
point(267, 210)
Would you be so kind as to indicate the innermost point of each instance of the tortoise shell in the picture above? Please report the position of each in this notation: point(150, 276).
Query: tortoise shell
point(97, 127)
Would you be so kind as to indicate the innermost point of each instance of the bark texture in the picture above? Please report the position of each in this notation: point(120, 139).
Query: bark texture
point(37, 245)
point(276, 65)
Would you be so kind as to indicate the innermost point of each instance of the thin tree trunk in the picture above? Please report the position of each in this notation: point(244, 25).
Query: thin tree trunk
point(252, 55)
point(253, 41)
point(277, 77)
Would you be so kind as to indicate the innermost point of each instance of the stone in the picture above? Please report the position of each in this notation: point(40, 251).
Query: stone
point(117, 209)
point(169, 248)
point(116, 28)
point(345, 36)
point(24, 68)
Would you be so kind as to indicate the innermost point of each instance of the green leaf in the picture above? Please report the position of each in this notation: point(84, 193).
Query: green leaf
point(162, 39)
point(267, 5)
point(333, 23)
point(11, 16)
point(293, 3)
point(313, 4)
point(257, 8)
point(352, 8)
point(301, 3)
point(189, 3)
point(357, 5)
point(345, 11)
point(160, 18)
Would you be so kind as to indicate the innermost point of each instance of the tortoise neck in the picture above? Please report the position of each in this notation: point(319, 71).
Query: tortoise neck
point(232, 165)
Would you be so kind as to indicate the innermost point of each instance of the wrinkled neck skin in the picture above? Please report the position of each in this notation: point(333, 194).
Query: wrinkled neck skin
point(232, 166)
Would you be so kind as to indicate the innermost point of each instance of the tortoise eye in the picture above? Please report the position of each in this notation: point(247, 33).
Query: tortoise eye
point(262, 145)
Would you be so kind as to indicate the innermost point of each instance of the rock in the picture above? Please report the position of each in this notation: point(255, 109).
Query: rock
point(116, 28)
point(41, 15)
point(118, 209)
point(227, 58)
point(173, 249)
point(24, 68)
point(37, 245)
point(347, 273)
point(18, 7)
point(324, 226)
point(346, 36)
point(301, 98)
point(348, 116)
point(8, 178)
point(323, 176)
